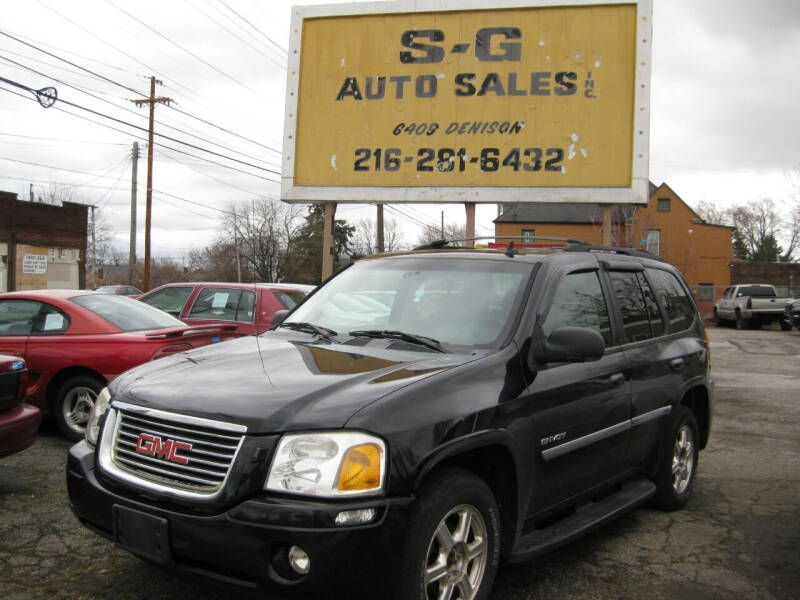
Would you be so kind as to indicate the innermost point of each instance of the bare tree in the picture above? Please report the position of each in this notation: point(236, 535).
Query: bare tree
point(365, 239)
point(757, 228)
point(263, 230)
point(452, 231)
point(713, 214)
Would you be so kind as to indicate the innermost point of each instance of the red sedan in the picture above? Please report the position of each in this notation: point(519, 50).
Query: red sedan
point(249, 306)
point(75, 342)
point(18, 421)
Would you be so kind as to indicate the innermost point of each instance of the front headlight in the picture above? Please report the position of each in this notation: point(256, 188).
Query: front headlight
point(330, 464)
point(101, 405)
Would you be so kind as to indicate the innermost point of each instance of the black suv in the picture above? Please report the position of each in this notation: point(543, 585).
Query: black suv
point(415, 421)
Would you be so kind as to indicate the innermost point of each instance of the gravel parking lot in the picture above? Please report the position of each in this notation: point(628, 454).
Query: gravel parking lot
point(738, 538)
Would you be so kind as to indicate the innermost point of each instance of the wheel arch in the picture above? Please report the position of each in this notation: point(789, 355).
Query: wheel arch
point(491, 456)
point(59, 378)
point(698, 401)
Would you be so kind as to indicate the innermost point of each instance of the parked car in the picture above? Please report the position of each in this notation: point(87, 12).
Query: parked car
point(75, 342)
point(791, 314)
point(119, 290)
point(503, 405)
point(18, 421)
point(249, 306)
point(751, 306)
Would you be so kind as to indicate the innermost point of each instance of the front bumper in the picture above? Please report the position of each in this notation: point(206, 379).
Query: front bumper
point(18, 428)
point(246, 544)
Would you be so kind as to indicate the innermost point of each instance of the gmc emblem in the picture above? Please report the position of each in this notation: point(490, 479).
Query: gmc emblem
point(152, 445)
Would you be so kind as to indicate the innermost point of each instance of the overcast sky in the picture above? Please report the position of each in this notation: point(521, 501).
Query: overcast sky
point(724, 124)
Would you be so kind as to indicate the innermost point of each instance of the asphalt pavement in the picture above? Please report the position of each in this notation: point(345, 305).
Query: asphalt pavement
point(739, 536)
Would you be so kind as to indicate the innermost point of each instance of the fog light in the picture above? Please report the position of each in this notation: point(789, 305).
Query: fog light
point(354, 517)
point(299, 560)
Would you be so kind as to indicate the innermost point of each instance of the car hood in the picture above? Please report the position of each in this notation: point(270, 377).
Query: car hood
point(274, 383)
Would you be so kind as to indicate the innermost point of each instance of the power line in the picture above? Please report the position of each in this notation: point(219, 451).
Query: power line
point(145, 139)
point(235, 35)
point(269, 39)
point(20, 65)
point(188, 166)
point(111, 81)
point(189, 52)
point(33, 164)
point(125, 87)
point(161, 135)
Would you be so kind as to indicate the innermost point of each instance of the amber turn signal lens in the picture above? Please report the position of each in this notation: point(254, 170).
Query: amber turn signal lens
point(361, 469)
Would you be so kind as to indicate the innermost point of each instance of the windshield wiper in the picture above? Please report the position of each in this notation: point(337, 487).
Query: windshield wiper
point(322, 332)
point(420, 340)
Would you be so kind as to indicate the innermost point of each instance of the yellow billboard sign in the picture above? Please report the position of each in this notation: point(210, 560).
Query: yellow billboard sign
point(408, 104)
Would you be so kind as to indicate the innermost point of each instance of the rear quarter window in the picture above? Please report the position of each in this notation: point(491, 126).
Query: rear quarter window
point(674, 298)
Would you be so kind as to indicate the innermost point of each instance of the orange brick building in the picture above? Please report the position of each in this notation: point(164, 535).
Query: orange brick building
point(667, 226)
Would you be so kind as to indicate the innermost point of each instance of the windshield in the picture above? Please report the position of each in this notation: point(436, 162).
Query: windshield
point(470, 302)
point(126, 314)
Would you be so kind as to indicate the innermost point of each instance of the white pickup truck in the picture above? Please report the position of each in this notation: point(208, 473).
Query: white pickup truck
point(751, 305)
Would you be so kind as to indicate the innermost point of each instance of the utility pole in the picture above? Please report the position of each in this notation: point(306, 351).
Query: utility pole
point(379, 227)
point(94, 253)
point(236, 249)
point(152, 101)
point(132, 252)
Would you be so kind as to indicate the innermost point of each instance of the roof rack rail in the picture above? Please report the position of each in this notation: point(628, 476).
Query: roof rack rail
point(440, 244)
point(587, 247)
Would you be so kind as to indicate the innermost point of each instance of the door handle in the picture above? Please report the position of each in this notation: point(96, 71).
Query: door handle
point(677, 364)
point(617, 379)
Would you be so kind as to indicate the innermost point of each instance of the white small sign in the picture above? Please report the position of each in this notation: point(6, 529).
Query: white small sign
point(35, 264)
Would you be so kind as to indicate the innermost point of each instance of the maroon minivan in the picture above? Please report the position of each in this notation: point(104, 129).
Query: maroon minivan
point(18, 421)
point(249, 306)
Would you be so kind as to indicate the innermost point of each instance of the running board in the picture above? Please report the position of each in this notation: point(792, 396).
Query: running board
point(584, 520)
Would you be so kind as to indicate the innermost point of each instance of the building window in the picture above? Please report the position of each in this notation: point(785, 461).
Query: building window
point(528, 235)
point(51, 252)
point(705, 292)
point(664, 204)
point(653, 245)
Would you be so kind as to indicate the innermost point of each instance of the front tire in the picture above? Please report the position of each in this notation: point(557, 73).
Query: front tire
point(74, 402)
point(679, 455)
point(785, 325)
point(452, 547)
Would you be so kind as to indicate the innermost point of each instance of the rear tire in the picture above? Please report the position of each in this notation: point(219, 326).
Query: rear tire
point(785, 325)
point(715, 319)
point(452, 548)
point(742, 323)
point(74, 402)
point(679, 456)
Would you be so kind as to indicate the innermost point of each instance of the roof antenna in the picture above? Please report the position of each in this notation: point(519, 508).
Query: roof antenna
point(511, 251)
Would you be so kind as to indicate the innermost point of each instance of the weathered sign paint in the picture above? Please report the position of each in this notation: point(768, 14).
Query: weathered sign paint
point(534, 98)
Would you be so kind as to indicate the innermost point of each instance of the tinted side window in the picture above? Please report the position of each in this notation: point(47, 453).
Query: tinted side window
point(656, 321)
point(673, 297)
point(16, 316)
point(222, 304)
point(49, 321)
point(579, 301)
point(632, 306)
point(169, 299)
point(290, 299)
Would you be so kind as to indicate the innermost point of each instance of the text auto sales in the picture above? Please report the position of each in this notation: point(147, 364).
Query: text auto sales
point(537, 83)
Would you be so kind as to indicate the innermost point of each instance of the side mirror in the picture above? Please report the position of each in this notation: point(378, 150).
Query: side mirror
point(278, 317)
point(569, 344)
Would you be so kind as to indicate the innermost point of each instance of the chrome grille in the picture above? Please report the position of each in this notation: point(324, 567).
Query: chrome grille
point(165, 449)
